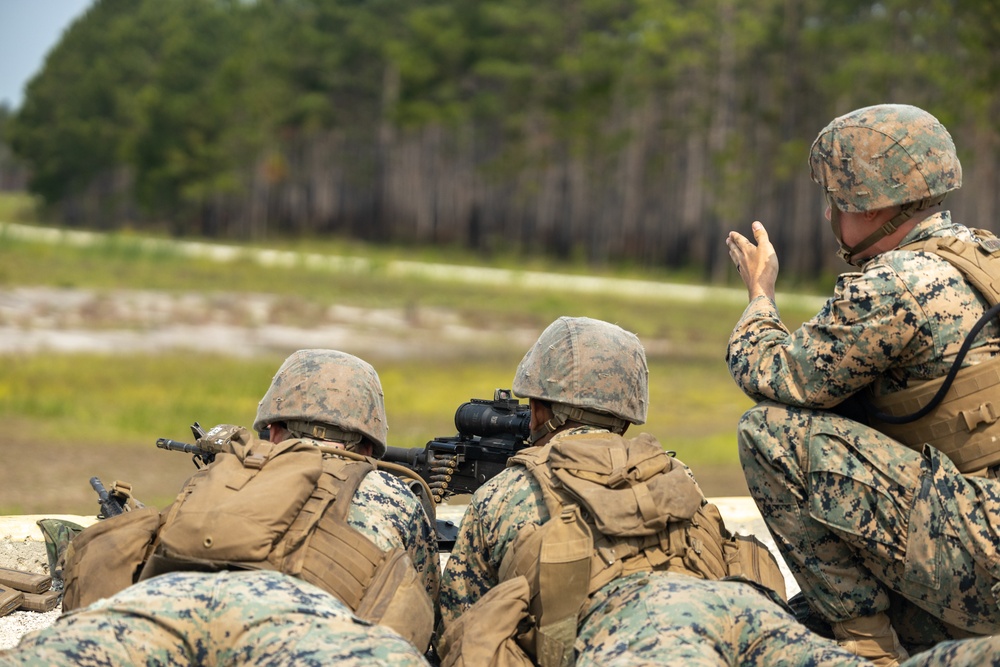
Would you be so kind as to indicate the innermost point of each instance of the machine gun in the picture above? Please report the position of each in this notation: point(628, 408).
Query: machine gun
point(489, 433)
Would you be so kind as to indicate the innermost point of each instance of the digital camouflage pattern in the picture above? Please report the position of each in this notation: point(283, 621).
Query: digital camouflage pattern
point(588, 364)
point(904, 318)
point(386, 511)
point(327, 387)
point(643, 619)
point(495, 514)
point(868, 525)
point(711, 625)
point(837, 495)
point(978, 652)
point(383, 509)
point(227, 618)
point(666, 619)
point(882, 156)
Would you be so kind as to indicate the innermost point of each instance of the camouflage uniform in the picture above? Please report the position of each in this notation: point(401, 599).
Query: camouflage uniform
point(386, 511)
point(245, 618)
point(866, 524)
point(242, 617)
point(647, 618)
point(227, 618)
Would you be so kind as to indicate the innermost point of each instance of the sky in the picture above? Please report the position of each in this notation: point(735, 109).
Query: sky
point(28, 31)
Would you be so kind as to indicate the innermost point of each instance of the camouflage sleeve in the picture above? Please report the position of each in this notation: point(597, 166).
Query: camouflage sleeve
point(496, 513)
point(871, 323)
point(388, 513)
point(468, 575)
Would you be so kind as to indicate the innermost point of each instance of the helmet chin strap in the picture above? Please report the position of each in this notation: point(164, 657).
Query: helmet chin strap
point(351, 440)
point(562, 413)
point(906, 211)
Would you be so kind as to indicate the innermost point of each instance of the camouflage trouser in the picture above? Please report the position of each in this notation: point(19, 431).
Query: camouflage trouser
point(665, 618)
point(229, 618)
point(975, 652)
point(868, 525)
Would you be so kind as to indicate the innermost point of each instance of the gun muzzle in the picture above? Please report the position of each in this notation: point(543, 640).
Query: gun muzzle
point(109, 506)
point(409, 456)
point(102, 492)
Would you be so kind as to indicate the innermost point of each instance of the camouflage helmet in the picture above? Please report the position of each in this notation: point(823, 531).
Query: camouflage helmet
point(327, 390)
point(590, 365)
point(884, 155)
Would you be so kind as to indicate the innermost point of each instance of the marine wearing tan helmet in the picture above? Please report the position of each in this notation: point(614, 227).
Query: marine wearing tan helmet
point(327, 395)
point(591, 372)
point(882, 156)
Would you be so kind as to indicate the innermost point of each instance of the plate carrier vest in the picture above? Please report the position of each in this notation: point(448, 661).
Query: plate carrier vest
point(965, 425)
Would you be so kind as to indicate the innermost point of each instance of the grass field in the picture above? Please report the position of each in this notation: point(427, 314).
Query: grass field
point(72, 416)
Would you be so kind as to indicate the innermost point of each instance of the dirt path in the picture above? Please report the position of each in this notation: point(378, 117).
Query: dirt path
point(49, 319)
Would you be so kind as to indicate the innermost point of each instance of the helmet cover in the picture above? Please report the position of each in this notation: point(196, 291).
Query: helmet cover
point(589, 364)
point(884, 155)
point(327, 387)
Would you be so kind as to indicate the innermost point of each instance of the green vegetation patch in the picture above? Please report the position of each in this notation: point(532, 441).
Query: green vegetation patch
point(129, 401)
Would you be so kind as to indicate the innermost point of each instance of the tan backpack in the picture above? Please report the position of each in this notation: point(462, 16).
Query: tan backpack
point(488, 634)
point(617, 507)
point(271, 506)
point(107, 556)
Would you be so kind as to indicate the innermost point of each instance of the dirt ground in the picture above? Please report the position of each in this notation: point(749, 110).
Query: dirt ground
point(55, 477)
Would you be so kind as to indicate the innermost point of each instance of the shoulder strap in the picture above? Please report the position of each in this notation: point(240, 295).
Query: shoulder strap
point(318, 542)
point(556, 559)
point(535, 460)
point(977, 260)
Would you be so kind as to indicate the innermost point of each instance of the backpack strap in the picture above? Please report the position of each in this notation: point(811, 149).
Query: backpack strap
point(324, 549)
point(321, 547)
point(977, 260)
point(557, 557)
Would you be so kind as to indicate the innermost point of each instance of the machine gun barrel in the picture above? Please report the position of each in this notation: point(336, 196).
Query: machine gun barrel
point(202, 455)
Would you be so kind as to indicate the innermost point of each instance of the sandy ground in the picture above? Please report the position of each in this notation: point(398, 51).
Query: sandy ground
point(22, 548)
point(48, 319)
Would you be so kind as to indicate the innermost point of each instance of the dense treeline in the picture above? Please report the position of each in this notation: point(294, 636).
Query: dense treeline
point(636, 130)
point(12, 173)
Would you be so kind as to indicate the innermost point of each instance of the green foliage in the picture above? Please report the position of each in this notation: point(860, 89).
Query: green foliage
point(77, 114)
point(552, 121)
point(183, 109)
point(114, 400)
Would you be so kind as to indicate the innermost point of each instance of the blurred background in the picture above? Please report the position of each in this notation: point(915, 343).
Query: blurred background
point(192, 189)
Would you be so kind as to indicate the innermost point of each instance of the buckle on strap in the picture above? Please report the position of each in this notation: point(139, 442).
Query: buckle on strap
point(984, 414)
